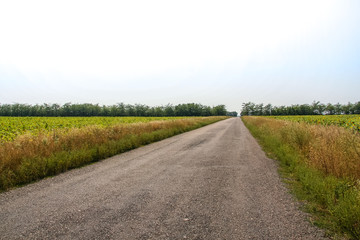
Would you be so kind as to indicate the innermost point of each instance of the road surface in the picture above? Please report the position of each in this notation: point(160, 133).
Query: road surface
point(211, 183)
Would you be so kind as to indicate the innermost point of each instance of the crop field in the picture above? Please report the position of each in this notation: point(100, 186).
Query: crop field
point(32, 148)
point(347, 121)
point(12, 127)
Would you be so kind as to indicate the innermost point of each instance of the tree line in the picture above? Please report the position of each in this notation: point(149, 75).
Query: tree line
point(316, 108)
point(120, 109)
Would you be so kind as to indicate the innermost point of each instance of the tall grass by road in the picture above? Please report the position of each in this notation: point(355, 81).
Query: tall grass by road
point(322, 166)
point(32, 157)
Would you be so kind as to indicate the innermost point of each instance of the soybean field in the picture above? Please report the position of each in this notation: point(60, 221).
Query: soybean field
point(347, 121)
point(12, 127)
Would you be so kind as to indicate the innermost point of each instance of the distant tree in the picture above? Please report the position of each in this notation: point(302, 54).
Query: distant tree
point(316, 108)
point(159, 112)
point(232, 114)
point(267, 110)
point(348, 108)
point(206, 111)
point(219, 110)
point(258, 110)
point(130, 110)
point(169, 110)
point(181, 110)
point(141, 110)
point(330, 109)
point(5, 110)
point(248, 109)
point(338, 109)
point(304, 109)
point(194, 109)
point(120, 109)
point(356, 108)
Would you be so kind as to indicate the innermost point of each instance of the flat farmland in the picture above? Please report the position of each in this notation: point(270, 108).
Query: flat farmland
point(347, 121)
point(210, 183)
point(32, 148)
point(12, 127)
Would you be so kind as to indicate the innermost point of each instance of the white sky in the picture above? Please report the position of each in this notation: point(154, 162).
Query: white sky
point(159, 52)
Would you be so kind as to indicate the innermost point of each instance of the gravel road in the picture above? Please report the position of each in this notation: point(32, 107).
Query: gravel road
point(211, 183)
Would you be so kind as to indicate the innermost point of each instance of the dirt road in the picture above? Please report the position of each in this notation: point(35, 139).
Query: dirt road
point(211, 183)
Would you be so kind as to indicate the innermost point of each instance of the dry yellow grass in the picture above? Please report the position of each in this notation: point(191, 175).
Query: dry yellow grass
point(335, 151)
point(331, 149)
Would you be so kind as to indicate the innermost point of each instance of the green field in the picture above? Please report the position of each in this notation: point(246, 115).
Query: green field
point(347, 121)
point(32, 148)
point(11, 127)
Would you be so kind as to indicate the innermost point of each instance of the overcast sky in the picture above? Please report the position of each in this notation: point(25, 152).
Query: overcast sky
point(159, 52)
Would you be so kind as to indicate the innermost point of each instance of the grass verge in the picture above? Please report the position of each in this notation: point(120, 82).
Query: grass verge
point(29, 158)
point(321, 166)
